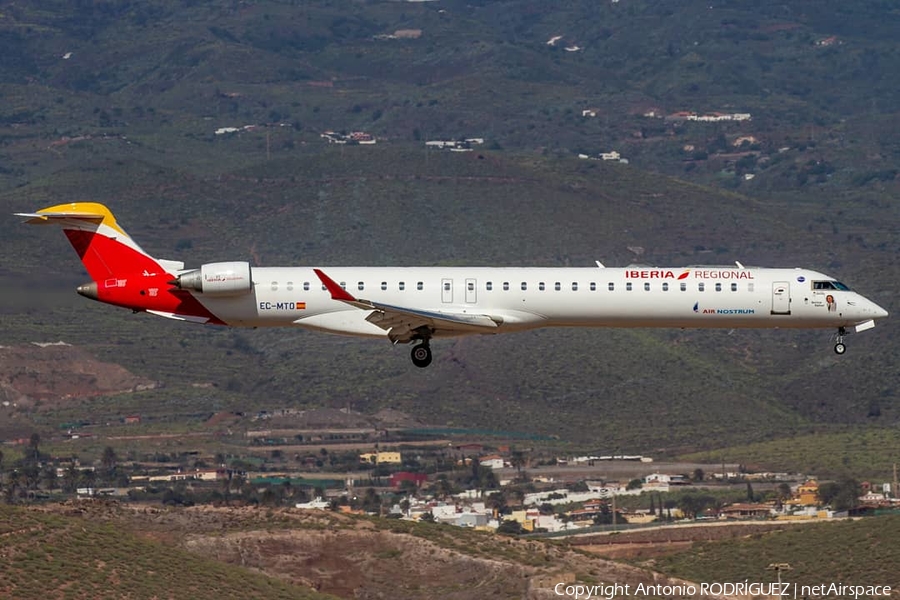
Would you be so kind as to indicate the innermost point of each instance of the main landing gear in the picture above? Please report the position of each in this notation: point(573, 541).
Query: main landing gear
point(421, 354)
point(839, 347)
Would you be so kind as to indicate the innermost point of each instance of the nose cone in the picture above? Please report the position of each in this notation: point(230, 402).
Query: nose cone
point(880, 313)
point(88, 290)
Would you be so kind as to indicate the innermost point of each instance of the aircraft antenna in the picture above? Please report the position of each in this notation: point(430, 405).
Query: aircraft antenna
point(738, 263)
point(599, 264)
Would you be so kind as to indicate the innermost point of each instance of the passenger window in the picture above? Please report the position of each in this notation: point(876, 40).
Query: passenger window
point(574, 286)
point(384, 285)
point(305, 286)
point(361, 286)
point(419, 286)
point(749, 287)
point(665, 286)
point(593, 286)
point(343, 285)
point(446, 286)
point(612, 286)
point(700, 286)
point(470, 286)
point(524, 286)
point(541, 286)
point(489, 286)
point(290, 286)
point(505, 286)
point(683, 286)
point(557, 286)
point(402, 285)
point(718, 287)
point(733, 287)
point(274, 286)
point(647, 286)
point(628, 287)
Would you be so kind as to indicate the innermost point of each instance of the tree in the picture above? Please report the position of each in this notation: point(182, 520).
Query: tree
point(33, 444)
point(70, 478)
point(517, 460)
point(109, 460)
point(510, 527)
point(12, 490)
point(371, 502)
point(840, 495)
point(48, 477)
point(782, 493)
point(442, 487)
point(699, 474)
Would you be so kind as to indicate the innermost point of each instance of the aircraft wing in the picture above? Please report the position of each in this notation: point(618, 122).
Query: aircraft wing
point(401, 323)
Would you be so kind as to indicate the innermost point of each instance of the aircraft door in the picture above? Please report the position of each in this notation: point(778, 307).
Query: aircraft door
point(781, 298)
point(471, 291)
point(447, 291)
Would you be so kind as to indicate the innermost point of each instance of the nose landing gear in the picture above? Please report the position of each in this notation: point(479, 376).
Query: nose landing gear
point(839, 347)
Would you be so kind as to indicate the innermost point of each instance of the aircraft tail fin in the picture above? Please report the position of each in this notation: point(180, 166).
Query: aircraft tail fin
point(103, 246)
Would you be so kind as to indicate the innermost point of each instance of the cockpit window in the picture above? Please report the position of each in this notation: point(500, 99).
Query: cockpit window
point(830, 285)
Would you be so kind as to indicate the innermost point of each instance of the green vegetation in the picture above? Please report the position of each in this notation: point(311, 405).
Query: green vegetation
point(49, 555)
point(859, 552)
point(861, 452)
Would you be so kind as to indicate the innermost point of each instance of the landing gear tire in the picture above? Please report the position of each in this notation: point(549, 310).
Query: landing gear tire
point(840, 348)
point(421, 355)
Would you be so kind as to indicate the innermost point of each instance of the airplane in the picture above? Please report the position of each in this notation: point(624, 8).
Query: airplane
point(418, 304)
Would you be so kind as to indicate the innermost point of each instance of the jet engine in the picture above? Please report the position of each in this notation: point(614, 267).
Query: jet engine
point(217, 279)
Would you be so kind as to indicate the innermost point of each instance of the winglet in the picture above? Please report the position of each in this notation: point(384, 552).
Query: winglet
point(336, 291)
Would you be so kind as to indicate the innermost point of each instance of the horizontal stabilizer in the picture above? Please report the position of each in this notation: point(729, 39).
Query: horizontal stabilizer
point(177, 317)
point(49, 217)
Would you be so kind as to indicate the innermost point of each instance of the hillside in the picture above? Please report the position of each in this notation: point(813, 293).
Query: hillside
point(61, 554)
point(848, 552)
point(119, 102)
point(117, 552)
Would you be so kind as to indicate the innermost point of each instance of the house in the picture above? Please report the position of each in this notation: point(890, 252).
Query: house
point(492, 461)
point(417, 478)
point(381, 458)
point(317, 504)
point(806, 494)
point(746, 510)
point(470, 448)
point(132, 419)
point(666, 478)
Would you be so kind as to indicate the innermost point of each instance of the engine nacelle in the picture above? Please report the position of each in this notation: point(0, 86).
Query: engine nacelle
point(218, 279)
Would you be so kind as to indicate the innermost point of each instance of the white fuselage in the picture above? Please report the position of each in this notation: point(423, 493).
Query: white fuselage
point(527, 298)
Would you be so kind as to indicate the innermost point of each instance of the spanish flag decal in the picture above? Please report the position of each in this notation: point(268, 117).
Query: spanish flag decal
point(301, 305)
